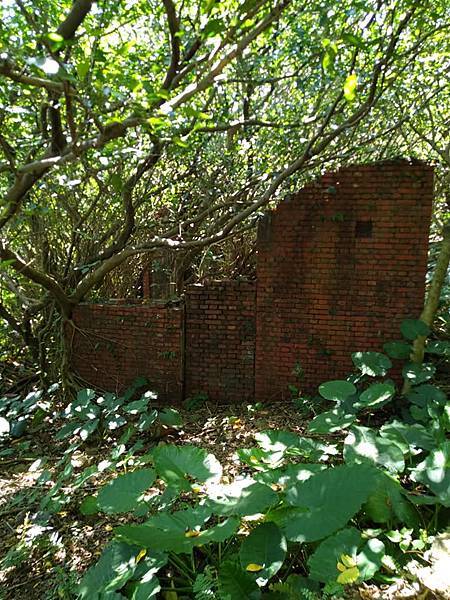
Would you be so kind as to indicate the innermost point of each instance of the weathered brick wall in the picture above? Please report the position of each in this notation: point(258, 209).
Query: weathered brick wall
point(220, 341)
point(340, 264)
point(113, 344)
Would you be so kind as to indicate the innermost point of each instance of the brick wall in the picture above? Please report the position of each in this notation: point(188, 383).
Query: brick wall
point(340, 265)
point(220, 341)
point(113, 344)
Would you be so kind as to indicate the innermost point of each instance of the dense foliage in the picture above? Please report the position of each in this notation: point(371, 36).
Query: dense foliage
point(135, 128)
point(356, 499)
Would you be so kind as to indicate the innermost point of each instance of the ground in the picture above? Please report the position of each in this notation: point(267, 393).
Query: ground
point(50, 571)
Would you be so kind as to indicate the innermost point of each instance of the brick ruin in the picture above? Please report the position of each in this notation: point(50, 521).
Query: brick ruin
point(339, 265)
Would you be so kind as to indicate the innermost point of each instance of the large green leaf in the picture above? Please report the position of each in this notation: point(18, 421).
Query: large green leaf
point(331, 421)
point(373, 364)
point(89, 506)
point(243, 498)
point(114, 568)
point(146, 589)
point(325, 502)
point(178, 532)
point(375, 396)
point(434, 472)
point(181, 465)
point(284, 477)
point(287, 444)
point(398, 350)
point(369, 559)
point(412, 328)
point(265, 547)
point(323, 563)
point(170, 417)
point(137, 406)
point(417, 373)
point(422, 395)
point(387, 502)
point(124, 493)
point(408, 437)
point(259, 459)
point(236, 584)
point(337, 390)
point(442, 348)
point(276, 440)
point(363, 445)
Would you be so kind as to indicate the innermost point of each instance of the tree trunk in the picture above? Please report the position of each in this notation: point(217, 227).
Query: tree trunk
point(432, 300)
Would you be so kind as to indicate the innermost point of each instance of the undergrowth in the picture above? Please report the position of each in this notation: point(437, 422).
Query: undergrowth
point(308, 517)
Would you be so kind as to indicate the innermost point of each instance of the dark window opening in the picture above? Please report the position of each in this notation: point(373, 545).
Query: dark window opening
point(363, 229)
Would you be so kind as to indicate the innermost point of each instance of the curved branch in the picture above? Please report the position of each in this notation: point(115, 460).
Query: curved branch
point(76, 16)
point(46, 281)
point(174, 27)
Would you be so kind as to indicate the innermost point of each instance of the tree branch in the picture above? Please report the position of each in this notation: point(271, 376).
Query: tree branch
point(174, 27)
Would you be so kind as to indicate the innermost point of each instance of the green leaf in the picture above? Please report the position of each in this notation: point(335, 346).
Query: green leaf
point(89, 506)
point(354, 40)
point(350, 85)
point(87, 429)
point(323, 563)
point(369, 559)
point(114, 568)
point(83, 68)
point(289, 475)
point(116, 182)
point(213, 27)
point(373, 364)
point(275, 440)
point(376, 395)
point(136, 407)
point(125, 492)
point(417, 373)
point(147, 420)
point(256, 458)
point(398, 350)
point(85, 396)
point(329, 56)
point(279, 444)
point(363, 445)
point(145, 590)
point(67, 430)
point(331, 421)
point(179, 465)
point(265, 546)
point(236, 584)
point(387, 502)
point(325, 502)
point(178, 532)
point(413, 328)
point(425, 394)
point(243, 498)
point(434, 472)
point(337, 390)
point(413, 436)
point(170, 417)
point(441, 348)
